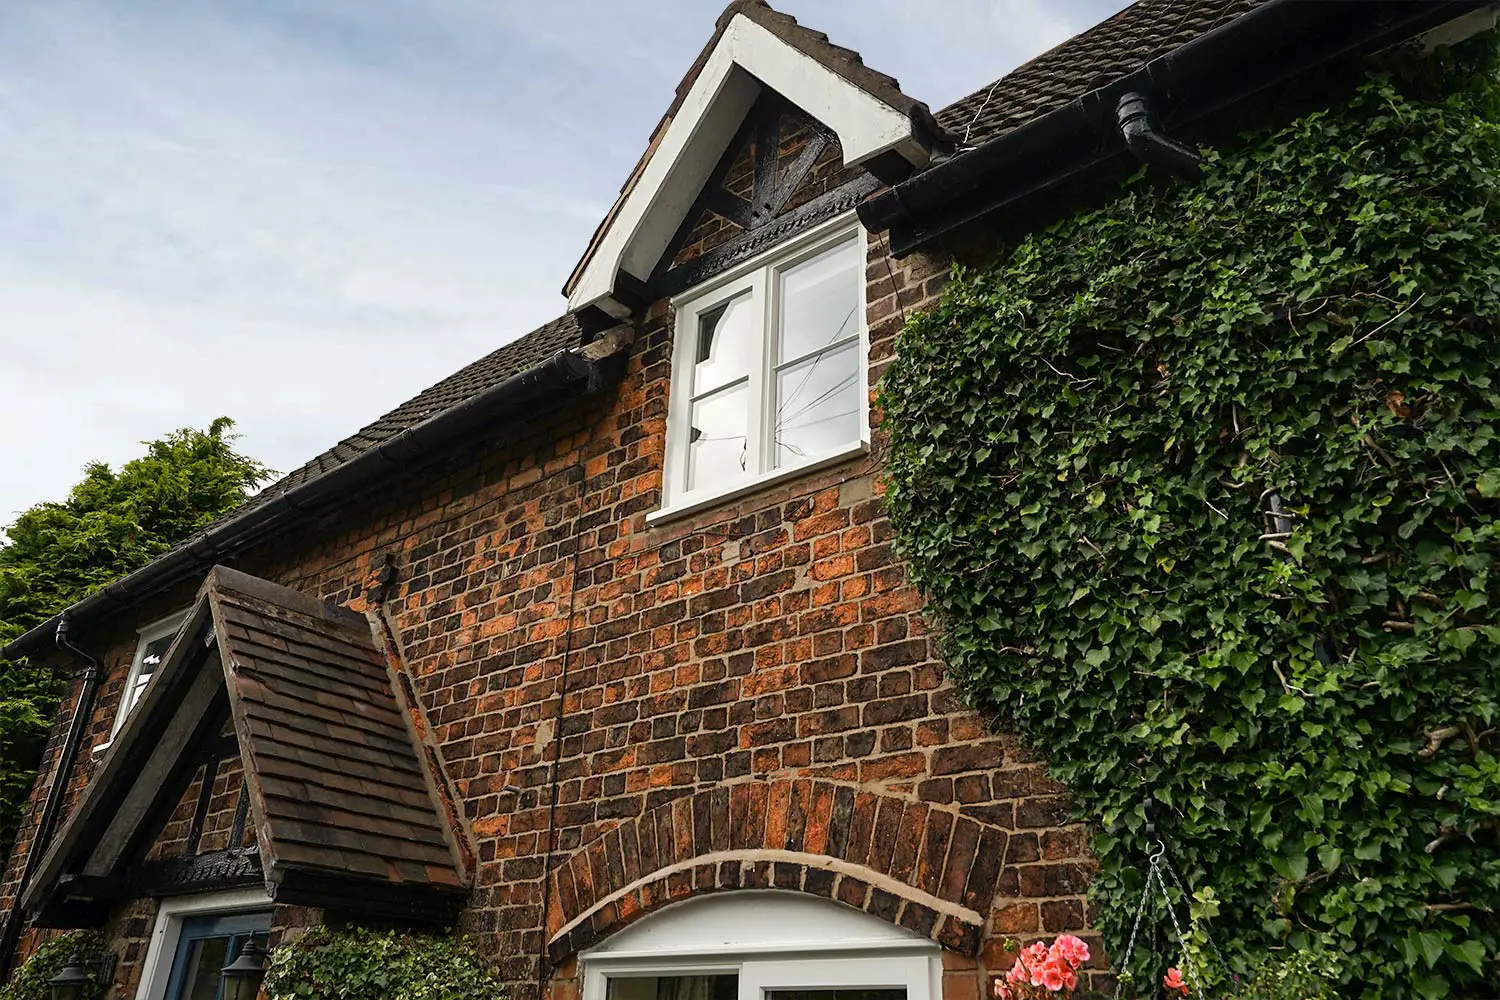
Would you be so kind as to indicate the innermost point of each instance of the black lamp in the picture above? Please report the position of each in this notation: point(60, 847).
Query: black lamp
point(243, 976)
point(70, 983)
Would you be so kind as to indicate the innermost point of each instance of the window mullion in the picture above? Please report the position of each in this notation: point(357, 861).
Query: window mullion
point(760, 375)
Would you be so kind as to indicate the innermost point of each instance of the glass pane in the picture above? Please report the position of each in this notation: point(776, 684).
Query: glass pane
point(725, 342)
point(133, 696)
point(154, 651)
point(817, 405)
point(856, 994)
point(207, 957)
point(718, 446)
point(707, 987)
point(819, 298)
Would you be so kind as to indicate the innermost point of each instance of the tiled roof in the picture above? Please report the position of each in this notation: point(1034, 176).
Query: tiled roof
point(336, 784)
point(1089, 60)
point(560, 334)
point(846, 62)
point(345, 802)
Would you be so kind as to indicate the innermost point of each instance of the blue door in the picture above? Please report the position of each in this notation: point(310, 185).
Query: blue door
point(207, 945)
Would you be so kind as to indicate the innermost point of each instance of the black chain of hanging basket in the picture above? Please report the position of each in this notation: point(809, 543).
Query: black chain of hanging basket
point(1158, 863)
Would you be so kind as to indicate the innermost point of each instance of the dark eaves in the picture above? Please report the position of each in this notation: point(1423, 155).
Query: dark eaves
point(564, 375)
point(1201, 78)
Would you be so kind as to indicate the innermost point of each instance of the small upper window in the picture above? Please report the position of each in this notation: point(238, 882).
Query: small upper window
point(768, 373)
point(149, 651)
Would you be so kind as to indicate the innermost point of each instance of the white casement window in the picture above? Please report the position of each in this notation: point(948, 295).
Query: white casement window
point(768, 370)
point(762, 945)
point(149, 649)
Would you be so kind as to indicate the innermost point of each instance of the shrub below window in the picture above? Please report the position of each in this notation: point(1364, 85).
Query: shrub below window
point(362, 964)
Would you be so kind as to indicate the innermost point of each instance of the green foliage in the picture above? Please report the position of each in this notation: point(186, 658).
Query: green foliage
point(30, 980)
point(110, 524)
point(1081, 436)
point(363, 964)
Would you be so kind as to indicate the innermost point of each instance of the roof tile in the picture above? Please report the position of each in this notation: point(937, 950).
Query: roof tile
point(1089, 60)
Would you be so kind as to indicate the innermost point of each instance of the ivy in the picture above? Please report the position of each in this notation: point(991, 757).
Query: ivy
point(30, 980)
point(1085, 440)
point(364, 964)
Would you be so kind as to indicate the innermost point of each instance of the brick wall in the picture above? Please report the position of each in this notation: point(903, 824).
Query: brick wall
point(750, 696)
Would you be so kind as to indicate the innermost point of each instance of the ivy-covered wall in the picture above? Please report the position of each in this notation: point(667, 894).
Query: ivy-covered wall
point(1086, 439)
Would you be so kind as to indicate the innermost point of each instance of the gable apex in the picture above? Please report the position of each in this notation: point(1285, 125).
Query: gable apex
point(755, 49)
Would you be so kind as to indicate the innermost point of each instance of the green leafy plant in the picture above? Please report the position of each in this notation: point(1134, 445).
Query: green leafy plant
point(364, 964)
point(1203, 489)
point(30, 980)
point(58, 553)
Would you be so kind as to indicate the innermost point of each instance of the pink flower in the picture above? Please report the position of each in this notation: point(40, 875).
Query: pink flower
point(1173, 981)
point(1052, 977)
point(1017, 973)
point(1072, 949)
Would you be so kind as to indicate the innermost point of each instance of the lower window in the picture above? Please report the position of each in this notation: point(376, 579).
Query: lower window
point(762, 945)
point(205, 946)
point(193, 939)
point(737, 986)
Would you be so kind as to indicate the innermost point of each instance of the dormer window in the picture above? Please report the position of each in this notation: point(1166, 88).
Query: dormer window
point(768, 370)
point(152, 645)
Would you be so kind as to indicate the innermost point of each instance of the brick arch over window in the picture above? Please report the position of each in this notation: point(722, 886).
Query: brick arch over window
point(925, 868)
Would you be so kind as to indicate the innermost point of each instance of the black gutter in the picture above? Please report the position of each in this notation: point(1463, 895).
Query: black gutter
point(1196, 81)
point(62, 776)
point(563, 375)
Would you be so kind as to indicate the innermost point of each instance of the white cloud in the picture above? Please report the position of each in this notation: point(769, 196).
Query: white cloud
point(299, 215)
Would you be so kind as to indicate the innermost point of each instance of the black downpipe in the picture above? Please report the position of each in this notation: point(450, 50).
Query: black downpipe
point(93, 673)
point(1137, 121)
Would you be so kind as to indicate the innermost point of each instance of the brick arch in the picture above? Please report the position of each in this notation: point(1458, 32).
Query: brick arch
point(925, 868)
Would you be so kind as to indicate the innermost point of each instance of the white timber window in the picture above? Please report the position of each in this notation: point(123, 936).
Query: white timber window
point(150, 649)
point(768, 371)
point(762, 945)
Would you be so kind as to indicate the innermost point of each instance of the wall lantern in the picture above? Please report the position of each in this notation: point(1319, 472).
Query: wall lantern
point(243, 976)
point(70, 983)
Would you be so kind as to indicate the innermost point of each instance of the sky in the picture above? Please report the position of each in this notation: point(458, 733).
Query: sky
point(300, 214)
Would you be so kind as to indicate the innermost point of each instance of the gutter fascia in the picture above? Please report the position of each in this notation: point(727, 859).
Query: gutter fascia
point(578, 372)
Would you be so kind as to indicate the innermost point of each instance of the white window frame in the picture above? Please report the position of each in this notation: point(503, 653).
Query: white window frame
point(758, 277)
point(145, 637)
point(170, 916)
point(838, 961)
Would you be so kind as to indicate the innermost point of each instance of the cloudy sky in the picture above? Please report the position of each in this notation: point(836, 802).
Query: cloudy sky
point(299, 214)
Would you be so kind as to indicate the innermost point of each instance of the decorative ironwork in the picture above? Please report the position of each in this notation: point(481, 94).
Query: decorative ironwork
point(743, 247)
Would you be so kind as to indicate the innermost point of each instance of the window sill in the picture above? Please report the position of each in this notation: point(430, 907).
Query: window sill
point(692, 504)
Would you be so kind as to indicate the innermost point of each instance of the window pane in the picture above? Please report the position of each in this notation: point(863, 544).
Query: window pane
point(706, 987)
point(718, 446)
point(154, 651)
point(855, 994)
point(207, 957)
point(725, 342)
point(817, 405)
point(136, 691)
point(819, 298)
